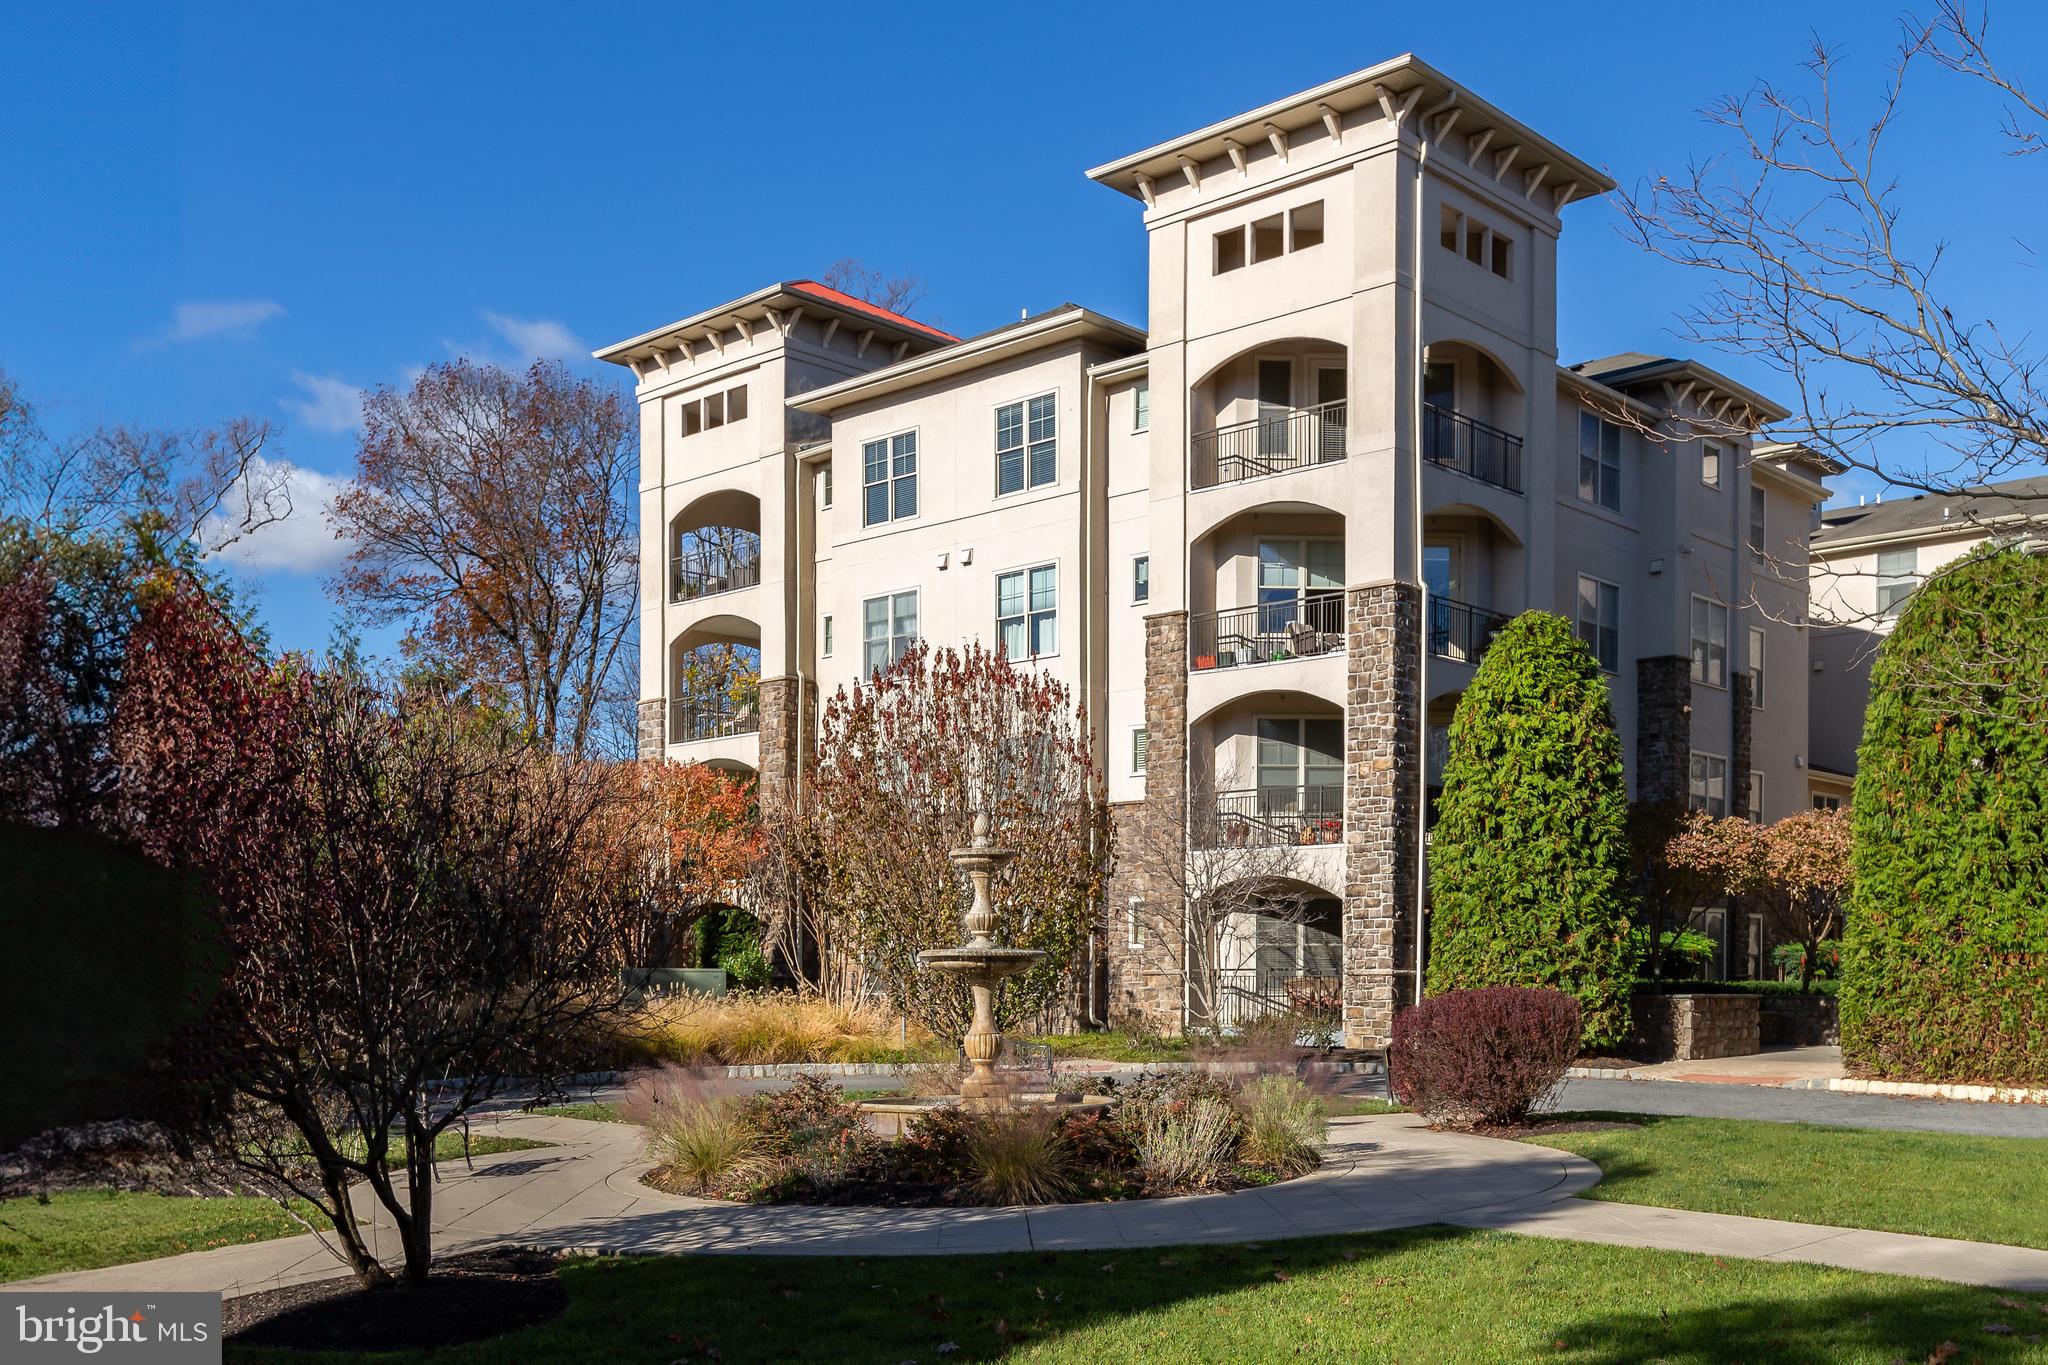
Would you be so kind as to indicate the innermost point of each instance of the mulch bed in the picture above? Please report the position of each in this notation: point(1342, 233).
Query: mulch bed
point(1541, 1129)
point(467, 1298)
point(1608, 1063)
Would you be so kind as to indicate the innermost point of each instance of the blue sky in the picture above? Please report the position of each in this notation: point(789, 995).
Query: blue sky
point(216, 210)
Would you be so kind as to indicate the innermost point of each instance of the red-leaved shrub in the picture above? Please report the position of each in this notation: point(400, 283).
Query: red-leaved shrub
point(1487, 1056)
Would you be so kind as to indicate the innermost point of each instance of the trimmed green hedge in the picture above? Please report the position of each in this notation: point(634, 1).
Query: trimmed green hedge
point(1945, 960)
point(1529, 860)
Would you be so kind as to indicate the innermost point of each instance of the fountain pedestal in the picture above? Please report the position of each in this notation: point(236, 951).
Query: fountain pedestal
point(982, 964)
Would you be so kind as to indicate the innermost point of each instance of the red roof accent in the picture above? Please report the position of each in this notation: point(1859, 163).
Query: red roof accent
point(830, 295)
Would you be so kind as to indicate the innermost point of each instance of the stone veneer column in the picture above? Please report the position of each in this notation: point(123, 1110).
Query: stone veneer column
point(780, 726)
point(1663, 730)
point(1739, 693)
point(1383, 771)
point(1145, 982)
point(649, 739)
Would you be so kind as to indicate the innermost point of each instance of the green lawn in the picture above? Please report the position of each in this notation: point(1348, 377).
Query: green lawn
point(1345, 1107)
point(1984, 1189)
point(86, 1229)
point(591, 1111)
point(1425, 1294)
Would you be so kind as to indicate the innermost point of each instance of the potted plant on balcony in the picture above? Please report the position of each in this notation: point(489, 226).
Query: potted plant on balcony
point(1204, 662)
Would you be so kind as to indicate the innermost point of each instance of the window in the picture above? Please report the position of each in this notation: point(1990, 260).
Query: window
point(1707, 784)
point(1295, 753)
point(1141, 407)
point(1305, 226)
point(825, 484)
point(1479, 244)
point(1758, 544)
point(1599, 461)
point(1710, 464)
point(1027, 444)
point(1141, 748)
point(1300, 580)
point(1134, 922)
point(736, 404)
point(1709, 642)
point(1821, 802)
point(1600, 621)
point(888, 629)
point(1503, 249)
point(1450, 227)
point(889, 478)
point(1756, 667)
point(1295, 230)
point(1229, 251)
point(825, 636)
point(714, 410)
point(1027, 612)
point(1756, 797)
point(1141, 579)
point(1898, 573)
point(1269, 238)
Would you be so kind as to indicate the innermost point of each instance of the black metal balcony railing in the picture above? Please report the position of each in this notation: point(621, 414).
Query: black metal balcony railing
point(1469, 446)
point(1276, 817)
point(1297, 628)
point(1245, 995)
point(1272, 443)
point(689, 722)
point(700, 575)
point(1461, 631)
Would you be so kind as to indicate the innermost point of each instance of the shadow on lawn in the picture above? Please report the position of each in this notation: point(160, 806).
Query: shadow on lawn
point(1432, 1293)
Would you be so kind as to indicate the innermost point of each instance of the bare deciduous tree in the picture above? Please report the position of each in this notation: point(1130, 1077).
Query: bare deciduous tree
point(897, 293)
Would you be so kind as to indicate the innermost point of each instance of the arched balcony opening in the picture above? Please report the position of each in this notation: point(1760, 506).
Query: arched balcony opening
point(1473, 567)
point(714, 688)
point(1437, 745)
point(1274, 408)
point(1267, 586)
point(1472, 414)
point(1266, 772)
point(1277, 949)
point(715, 546)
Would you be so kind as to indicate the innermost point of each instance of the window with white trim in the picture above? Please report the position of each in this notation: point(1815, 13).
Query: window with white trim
point(1600, 620)
point(1027, 444)
point(888, 629)
point(889, 478)
point(1821, 802)
point(1706, 786)
point(1756, 666)
point(1898, 573)
point(1710, 464)
point(825, 636)
point(1027, 611)
point(825, 484)
point(1756, 797)
point(1141, 406)
point(1758, 522)
point(1709, 642)
point(1599, 461)
point(1141, 578)
point(1141, 749)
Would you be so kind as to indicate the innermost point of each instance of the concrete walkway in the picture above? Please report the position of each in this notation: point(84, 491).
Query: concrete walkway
point(1380, 1172)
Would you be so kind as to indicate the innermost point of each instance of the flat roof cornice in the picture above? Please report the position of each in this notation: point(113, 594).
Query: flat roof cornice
point(1403, 80)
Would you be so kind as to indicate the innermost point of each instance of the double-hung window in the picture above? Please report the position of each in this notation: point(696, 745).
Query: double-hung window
point(1141, 406)
point(889, 478)
point(1027, 444)
point(1600, 621)
point(1599, 461)
point(1898, 573)
point(1028, 611)
point(1756, 797)
point(1758, 523)
point(1141, 579)
point(1707, 784)
point(1710, 464)
point(1756, 667)
point(888, 629)
point(1141, 749)
point(1709, 642)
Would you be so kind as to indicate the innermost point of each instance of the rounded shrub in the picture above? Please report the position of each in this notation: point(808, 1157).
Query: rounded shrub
point(1529, 858)
point(1944, 972)
point(1484, 1056)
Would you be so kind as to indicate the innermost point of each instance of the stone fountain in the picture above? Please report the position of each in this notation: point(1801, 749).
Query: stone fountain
point(981, 963)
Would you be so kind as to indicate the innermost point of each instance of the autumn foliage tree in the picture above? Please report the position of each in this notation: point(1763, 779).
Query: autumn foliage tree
point(902, 765)
point(1795, 873)
point(421, 908)
point(493, 516)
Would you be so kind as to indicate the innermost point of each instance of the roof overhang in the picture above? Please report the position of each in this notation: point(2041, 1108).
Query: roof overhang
point(777, 306)
point(1798, 467)
point(1682, 381)
point(1405, 84)
point(1605, 394)
point(1058, 327)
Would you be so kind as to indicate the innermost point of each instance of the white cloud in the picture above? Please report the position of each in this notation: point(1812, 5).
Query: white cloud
point(329, 404)
point(302, 540)
point(536, 339)
point(196, 320)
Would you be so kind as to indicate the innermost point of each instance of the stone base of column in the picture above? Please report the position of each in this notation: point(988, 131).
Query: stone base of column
point(1146, 977)
point(649, 738)
point(1382, 800)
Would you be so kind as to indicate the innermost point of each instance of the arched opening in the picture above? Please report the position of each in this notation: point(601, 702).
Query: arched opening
point(715, 545)
point(1472, 414)
point(1276, 949)
point(714, 680)
point(1267, 586)
point(1269, 409)
point(1266, 771)
point(1473, 565)
point(1437, 748)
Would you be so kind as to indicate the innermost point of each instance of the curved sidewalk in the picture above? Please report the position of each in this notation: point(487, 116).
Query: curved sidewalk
point(1381, 1172)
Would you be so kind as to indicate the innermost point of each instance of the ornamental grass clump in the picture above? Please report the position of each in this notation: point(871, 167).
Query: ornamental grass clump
point(1482, 1058)
point(1186, 1147)
point(698, 1134)
point(1285, 1125)
point(1017, 1157)
point(686, 1029)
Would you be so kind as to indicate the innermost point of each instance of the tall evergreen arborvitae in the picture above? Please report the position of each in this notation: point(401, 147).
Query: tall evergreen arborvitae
point(1945, 958)
point(1529, 859)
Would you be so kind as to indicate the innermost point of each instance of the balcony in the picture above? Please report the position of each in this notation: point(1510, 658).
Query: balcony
point(1298, 628)
point(1451, 440)
point(705, 574)
point(1277, 817)
point(691, 722)
point(1276, 442)
point(1246, 995)
point(1460, 631)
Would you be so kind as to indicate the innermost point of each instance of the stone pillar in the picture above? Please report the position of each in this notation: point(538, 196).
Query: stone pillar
point(650, 739)
point(1663, 730)
point(1145, 981)
point(1382, 794)
point(780, 726)
point(1739, 693)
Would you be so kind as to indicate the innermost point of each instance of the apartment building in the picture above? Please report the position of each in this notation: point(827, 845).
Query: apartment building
point(1866, 561)
point(1267, 537)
